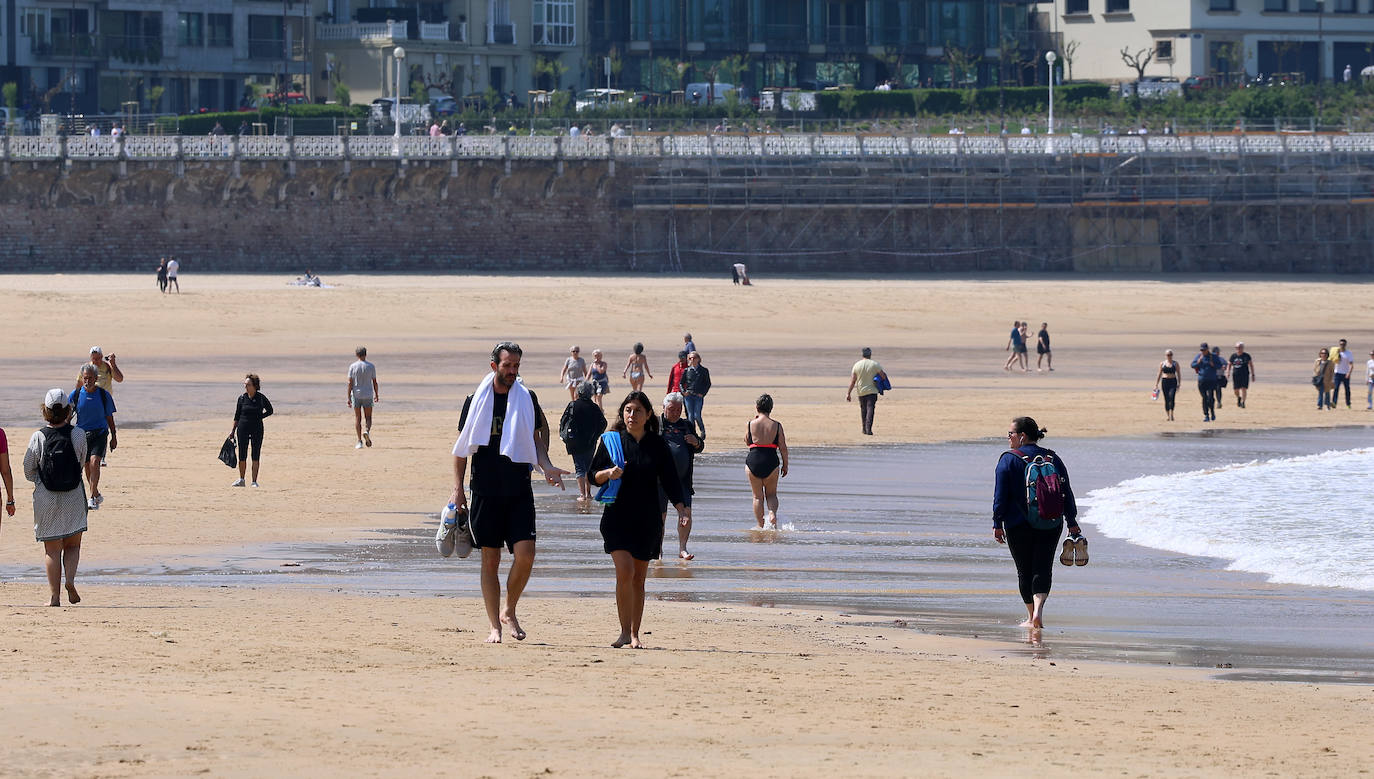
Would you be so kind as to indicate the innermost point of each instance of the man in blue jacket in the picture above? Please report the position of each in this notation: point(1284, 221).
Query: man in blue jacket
point(1206, 365)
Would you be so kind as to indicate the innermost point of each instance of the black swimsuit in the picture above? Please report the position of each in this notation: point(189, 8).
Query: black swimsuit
point(762, 459)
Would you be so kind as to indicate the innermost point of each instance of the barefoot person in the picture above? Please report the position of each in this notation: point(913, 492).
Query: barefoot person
point(766, 461)
point(107, 374)
point(636, 367)
point(574, 371)
point(680, 435)
point(6, 475)
point(53, 463)
point(632, 526)
point(503, 432)
point(1166, 381)
point(362, 393)
point(95, 410)
point(597, 375)
point(1032, 548)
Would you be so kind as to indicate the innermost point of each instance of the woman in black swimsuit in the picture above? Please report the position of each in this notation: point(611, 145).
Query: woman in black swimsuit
point(766, 462)
point(1167, 380)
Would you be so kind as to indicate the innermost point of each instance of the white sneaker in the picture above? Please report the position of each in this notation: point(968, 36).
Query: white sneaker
point(91, 505)
point(99, 499)
point(446, 538)
point(237, 483)
point(255, 484)
point(358, 445)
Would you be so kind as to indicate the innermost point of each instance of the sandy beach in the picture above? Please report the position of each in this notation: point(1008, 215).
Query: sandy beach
point(169, 681)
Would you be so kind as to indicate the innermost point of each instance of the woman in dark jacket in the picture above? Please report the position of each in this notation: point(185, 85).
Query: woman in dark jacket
point(1032, 549)
point(587, 424)
point(632, 526)
point(251, 409)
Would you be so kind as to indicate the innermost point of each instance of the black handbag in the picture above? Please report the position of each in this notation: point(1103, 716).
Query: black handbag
point(1317, 380)
point(227, 455)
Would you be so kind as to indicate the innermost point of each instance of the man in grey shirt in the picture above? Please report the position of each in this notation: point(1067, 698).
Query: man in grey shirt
point(362, 393)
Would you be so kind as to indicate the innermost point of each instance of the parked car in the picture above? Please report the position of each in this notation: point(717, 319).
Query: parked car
point(380, 115)
point(705, 93)
point(595, 99)
point(1199, 82)
point(1152, 87)
point(442, 105)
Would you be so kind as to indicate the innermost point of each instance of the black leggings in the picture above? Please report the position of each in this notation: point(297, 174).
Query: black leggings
point(1170, 388)
point(244, 436)
point(1033, 552)
point(1208, 390)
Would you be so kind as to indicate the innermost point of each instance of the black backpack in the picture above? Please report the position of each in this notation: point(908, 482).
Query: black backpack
point(59, 469)
point(566, 434)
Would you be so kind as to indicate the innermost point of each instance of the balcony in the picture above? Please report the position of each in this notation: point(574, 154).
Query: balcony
point(129, 50)
point(554, 35)
point(845, 35)
point(501, 33)
point(372, 31)
point(81, 45)
point(778, 36)
point(266, 48)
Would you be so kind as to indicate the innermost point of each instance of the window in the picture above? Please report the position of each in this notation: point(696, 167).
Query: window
point(265, 37)
point(1222, 5)
point(1118, 6)
point(1164, 51)
point(1276, 5)
point(1308, 6)
point(555, 22)
point(221, 29)
point(1075, 6)
point(1345, 7)
point(190, 29)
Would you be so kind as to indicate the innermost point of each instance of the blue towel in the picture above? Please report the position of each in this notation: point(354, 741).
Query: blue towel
point(880, 381)
point(611, 440)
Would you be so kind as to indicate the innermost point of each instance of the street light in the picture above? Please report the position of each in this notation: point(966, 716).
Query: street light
point(1050, 57)
point(400, 54)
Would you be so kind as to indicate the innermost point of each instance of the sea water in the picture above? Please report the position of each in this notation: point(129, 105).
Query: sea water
point(1296, 520)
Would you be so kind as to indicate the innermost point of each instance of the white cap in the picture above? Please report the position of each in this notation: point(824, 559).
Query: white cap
point(96, 350)
point(55, 398)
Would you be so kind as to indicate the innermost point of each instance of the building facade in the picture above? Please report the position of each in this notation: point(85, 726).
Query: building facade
point(1314, 40)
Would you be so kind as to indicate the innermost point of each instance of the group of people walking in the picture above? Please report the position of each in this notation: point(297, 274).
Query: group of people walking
point(1212, 373)
point(1331, 371)
point(1017, 344)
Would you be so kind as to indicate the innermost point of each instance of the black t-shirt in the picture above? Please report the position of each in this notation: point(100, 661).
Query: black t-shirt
point(493, 473)
point(1240, 363)
point(249, 412)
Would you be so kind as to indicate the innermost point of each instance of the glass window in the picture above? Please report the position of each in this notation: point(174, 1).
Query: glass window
point(1276, 5)
point(1345, 7)
point(190, 29)
point(1118, 6)
point(1164, 50)
point(1075, 6)
point(555, 22)
point(1223, 5)
point(1307, 6)
point(221, 29)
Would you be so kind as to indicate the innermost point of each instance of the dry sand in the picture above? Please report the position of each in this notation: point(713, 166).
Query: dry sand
point(164, 681)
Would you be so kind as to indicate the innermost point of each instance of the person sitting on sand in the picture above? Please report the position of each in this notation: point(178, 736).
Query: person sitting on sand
point(1032, 548)
point(766, 461)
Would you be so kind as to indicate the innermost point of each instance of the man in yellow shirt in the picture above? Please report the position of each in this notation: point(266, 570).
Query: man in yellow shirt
point(863, 376)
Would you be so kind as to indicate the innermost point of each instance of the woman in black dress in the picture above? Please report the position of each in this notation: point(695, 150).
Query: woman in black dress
point(632, 526)
point(1166, 379)
point(251, 409)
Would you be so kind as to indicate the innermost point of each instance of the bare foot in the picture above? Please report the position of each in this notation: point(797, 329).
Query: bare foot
point(55, 601)
point(509, 619)
point(494, 637)
point(1027, 624)
point(71, 594)
point(635, 643)
point(686, 555)
point(622, 641)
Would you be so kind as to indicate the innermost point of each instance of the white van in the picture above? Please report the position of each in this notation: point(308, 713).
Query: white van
point(703, 93)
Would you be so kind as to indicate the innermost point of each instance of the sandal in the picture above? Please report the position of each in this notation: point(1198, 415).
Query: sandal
point(1066, 556)
point(1080, 546)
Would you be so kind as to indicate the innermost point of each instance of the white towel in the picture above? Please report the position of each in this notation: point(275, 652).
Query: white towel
point(517, 434)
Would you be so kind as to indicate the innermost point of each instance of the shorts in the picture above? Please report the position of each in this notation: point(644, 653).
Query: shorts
point(501, 520)
point(603, 385)
point(582, 462)
point(249, 436)
point(1041, 349)
point(1240, 380)
point(362, 401)
point(1020, 348)
point(97, 442)
point(663, 498)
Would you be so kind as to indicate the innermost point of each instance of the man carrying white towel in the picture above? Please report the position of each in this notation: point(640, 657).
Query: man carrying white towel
point(504, 432)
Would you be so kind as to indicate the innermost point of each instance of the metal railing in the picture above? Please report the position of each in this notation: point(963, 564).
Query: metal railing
point(780, 145)
point(359, 31)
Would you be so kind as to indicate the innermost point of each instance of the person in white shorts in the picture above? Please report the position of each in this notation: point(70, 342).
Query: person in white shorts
point(362, 393)
point(172, 267)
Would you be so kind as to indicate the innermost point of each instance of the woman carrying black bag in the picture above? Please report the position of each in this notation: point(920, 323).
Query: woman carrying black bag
point(53, 463)
point(251, 409)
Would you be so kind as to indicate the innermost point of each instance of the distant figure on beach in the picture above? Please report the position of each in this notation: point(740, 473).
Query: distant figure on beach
point(1021, 355)
point(574, 371)
point(162, 275)
point(1014, 345)
point(741, 273)
point(766, 461)
point(250, 410)
point(1218, 388)
point(1323, 378)
point(1166, 381)
point(95, 410)
point(172, 268)
point(363, 392)
point(597, 374)
point(1369, 382)
point(683, 443)
point(1206, 365)
point(107, 374)
point(636, 368)
point(863, 376)
point(53, 463)
point(6, 477)
point(696, 382)
point(675, 373)
point(1242, 368)
point(687, 345)
point(631, 525)
point(1344, 361)
point(581, 425)
point(502, 430)
point(1032, 546)
point(1042, 347)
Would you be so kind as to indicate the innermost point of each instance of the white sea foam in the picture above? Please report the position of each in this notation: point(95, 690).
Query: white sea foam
point(1300, 520)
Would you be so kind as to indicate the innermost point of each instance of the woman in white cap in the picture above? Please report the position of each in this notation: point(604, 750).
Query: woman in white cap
point(53, 463)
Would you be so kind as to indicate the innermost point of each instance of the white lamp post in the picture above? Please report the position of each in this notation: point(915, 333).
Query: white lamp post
point(1050, 58)
point(400, 55)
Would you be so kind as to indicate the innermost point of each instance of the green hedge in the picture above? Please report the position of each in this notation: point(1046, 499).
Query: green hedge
point(202, 124)
point(945, 102)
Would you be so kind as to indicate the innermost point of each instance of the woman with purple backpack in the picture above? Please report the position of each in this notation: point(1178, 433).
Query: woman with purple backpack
point(1017, 519)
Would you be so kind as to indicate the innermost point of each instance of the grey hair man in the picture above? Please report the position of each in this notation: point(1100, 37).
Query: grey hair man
point(685, 445)
point(361, 396)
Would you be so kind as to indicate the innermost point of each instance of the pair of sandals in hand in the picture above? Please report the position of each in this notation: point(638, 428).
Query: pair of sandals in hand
point(1075, 551)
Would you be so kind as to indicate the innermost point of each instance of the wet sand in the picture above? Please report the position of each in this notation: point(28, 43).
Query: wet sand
point(376, 682)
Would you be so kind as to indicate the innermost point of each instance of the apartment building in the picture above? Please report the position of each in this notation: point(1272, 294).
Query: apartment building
point(1315, 38)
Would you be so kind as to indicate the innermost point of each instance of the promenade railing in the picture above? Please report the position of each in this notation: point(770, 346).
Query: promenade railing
point(21, 148)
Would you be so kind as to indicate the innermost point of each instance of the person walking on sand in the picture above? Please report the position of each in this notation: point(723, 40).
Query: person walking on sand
point(172, 267)
point(675, 373)
point(631, 525)
point(863, 376)
point(363, 392)
point(162, 276)
point(107, 374)
point(687, 345)
point(1014, 345)
point(1021, 347)
point(581, 425)
point(6, 476)
point(1323, 371)
point(1042, 348)
point(1206, 365)
point(1218, 389)
point(1242, 373)
point(597, 374)
point(95, 410)
point(766, 461)
point(53, 463)
point(1344, 361)
point(1032, 546)
point(1369, 382)
point(574, 371)
point(636, 368)
point(503, 432)
point(1166, 381)
point(696, 382)
point(680, 435)
point(250, 410)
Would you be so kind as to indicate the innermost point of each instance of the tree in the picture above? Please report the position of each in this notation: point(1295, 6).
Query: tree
point(891, 58)
point(1139, 60)
point(794, 102)
point(155, 97)
point(1069, 53)
point(551, 68)
point(963, 64)
point(342, 95)
point(849, 98)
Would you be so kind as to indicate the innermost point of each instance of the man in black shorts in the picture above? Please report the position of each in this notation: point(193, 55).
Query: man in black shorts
point(1242, 373)
point(503, 431)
